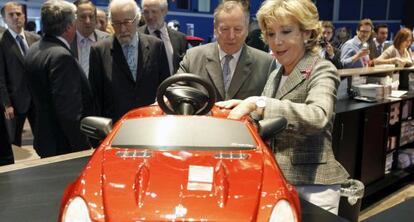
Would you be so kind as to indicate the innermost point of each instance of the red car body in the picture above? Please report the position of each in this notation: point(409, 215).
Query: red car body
point(130, 183)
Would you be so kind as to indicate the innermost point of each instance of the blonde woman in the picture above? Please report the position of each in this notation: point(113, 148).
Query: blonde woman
point(303, 91)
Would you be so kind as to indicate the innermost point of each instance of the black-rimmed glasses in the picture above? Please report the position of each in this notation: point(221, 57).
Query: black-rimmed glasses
point(125, 22)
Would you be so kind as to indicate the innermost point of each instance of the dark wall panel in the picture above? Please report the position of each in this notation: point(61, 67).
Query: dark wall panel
point(375, 10)
point(408, 15)
point(396, 8)
point(350, 10)
point(325, 9)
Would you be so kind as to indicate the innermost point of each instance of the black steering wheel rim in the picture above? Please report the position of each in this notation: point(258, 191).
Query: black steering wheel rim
point(185, 77)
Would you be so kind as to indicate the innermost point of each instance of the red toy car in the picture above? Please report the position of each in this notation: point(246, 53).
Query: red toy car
point(181, 167)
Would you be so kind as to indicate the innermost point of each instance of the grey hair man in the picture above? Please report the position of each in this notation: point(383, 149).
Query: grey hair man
point(127, 67)
point(236, 70)
point(102, 20)
point(86, 32)
point(60, 89)
point(154, 12)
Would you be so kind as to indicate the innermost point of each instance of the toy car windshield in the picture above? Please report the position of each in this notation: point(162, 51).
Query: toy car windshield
point(186, 132)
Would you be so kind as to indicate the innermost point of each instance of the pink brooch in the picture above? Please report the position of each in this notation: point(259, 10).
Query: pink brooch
point(306, 73)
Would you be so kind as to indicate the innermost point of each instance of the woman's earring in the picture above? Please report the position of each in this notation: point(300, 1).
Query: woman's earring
point(305, 41)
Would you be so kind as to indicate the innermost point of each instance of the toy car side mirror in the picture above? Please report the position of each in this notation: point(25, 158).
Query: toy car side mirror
point(268, 128)
point(96, 127)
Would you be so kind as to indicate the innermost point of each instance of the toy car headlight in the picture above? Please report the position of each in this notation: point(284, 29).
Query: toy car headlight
point(76, 211)
point(283, 211)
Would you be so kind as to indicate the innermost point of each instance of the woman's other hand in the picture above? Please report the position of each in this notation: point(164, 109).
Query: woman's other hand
point(241, 107)
point(228, 104)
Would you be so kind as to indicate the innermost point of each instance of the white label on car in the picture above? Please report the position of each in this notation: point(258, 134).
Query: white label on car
point(200, 178)
point(199, 186)
point(200, 174)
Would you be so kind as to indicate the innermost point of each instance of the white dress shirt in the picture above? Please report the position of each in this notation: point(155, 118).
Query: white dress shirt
point(233, 62)
point(167, 44)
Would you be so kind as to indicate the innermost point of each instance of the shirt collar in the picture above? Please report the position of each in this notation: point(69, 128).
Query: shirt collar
point(14, 34)
point(163, 29)
point(235, 55)
point(377, 44)
point(133, 42)
point(64, 41)
point(357, 41)
point(91, 37)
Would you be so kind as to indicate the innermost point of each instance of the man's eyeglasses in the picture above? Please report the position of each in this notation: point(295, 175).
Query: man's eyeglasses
point(125, 22)
point(365, 31)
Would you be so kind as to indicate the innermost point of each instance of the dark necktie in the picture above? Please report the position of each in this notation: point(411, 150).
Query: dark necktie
point(379, 49)
point(158, 34)
point(19, 39)
point(226, 71)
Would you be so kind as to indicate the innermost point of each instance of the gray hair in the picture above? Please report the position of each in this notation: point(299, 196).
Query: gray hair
point(119, 3)
point(228, 6)
point(57, 15)
point(163, 4)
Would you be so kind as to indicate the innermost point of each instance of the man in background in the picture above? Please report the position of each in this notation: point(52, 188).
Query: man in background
point(355, 52)
point(56, 80)
point(14, 87)
point(379, 44)
point(236, 70)
point(328, 51)
point(86, 32)
point(102, 21)
point(154, 12)
point(126, 68)
point(6, 152)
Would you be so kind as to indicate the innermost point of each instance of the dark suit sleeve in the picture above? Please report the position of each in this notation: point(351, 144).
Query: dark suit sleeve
point(96, 79)
point(336, 60)
point(184, 66)
point(4, 95)
point(65, 82)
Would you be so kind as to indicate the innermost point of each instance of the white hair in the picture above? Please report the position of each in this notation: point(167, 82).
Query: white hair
point(120, 3)
point(163, 3)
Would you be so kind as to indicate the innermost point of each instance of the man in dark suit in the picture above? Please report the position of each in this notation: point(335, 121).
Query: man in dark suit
point(154, 12)
point(56, 82)
point(6, 152)
point(16, 99)
point(126, 69)
point(378, 44)
point(236, 70)
point(86, 32)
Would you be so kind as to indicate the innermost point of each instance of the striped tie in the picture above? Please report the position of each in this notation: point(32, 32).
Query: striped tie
point(227, 71)
point(23, 46)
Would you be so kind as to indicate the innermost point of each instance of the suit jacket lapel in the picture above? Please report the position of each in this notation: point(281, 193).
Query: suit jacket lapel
point(14, 47)
point(74, 46)
point(143, 56)
point(54, 39)
point(297, 76)
point(243, 70)
point(120, 60)
point(146, 30)
point(213, 68)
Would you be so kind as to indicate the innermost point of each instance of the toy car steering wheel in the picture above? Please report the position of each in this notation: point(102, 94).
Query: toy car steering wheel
point(185, 99)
